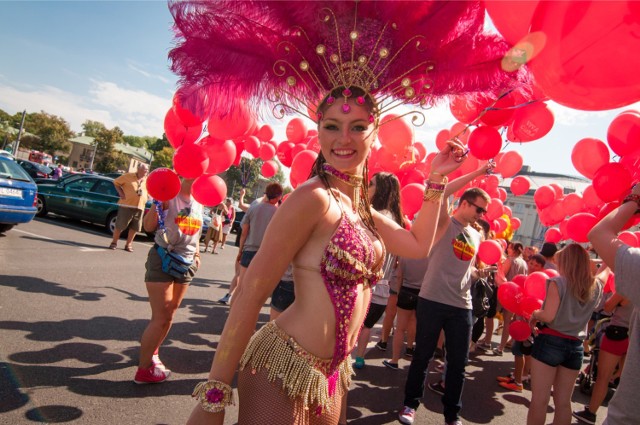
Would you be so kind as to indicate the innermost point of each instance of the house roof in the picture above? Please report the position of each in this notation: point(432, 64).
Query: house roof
point(83, 140)
point(140, 154)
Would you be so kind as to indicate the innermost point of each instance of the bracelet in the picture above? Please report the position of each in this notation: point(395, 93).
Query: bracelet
point(438, 186)
point(213, 395)
point(632, 198)
point(433, 195)
point(445, 179)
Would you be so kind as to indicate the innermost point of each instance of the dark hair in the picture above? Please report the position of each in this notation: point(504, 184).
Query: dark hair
point(387, 195)
point(538, 259)
point(470, 195)
point(486, 227)
point(273, 190)
point(517, 247)
point(355, 93)
point(548, 250)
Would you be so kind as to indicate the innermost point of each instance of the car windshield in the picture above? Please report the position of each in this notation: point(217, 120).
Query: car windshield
point(43, 168)
point(9, 169)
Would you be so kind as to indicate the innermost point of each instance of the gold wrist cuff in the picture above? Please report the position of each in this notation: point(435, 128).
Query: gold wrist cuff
point(213, 395)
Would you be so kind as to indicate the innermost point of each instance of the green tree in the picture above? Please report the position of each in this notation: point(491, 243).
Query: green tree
point(157, 145)
point(52, 132)
point(163, 158)
point(246, 175)
point(93, 128)
point(139, 141)
point(107, 159)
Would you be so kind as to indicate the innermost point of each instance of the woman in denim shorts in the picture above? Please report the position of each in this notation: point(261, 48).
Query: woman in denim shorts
point(557, 349)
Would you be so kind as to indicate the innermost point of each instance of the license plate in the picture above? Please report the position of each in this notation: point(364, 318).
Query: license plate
point(13, 193)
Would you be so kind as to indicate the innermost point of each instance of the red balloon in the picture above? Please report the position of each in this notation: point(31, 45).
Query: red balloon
point(396, 135)
point(532, 122)
point(302, 164)
point(536, 285)
point(466, 109)
point(267, 151)
point(628, 238)
point(296, 130)
point(185, 116)
point(610, 285)
point(230, 125)
point(265, 133)
point(492, 181)
point(519, 280)
point(632, 162)
point(284, 152)
point(509, 296)
point(572, 204)
point(461, 131)
point(421, 151)
point(556, 211)
point(612, 182)
point(502, 194)
point(221, 154)
point(314, 144)
point(520, 185)
point(252, 146)
point(519, 330)
point(551, 273)
point(512, 18)
point(510, 164)
point(190, 161)
point(553, 234)
point(495, 209)
point(579, 225)
point(590, 198)
point(177, 133)
point(515, 223)
point(485, 142)
point(558, 189)
point(498, 113)
point(442, 138)
point(588, 155)
point(528, 305)
point(490, 251)
point(581, 37)
point(623, 133)
point(501, 225)
point(269, 169)
point(163, 184)
point(544, 196)
point(209, 190)
point(411, 198)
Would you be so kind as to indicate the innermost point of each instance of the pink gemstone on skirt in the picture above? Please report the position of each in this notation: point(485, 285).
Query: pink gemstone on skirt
point(346, 108)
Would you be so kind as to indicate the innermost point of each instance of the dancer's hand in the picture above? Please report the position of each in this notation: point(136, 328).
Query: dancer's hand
point(449, 158)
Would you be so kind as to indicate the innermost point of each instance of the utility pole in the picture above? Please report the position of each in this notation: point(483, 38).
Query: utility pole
point(93, 155)
point(17, 144)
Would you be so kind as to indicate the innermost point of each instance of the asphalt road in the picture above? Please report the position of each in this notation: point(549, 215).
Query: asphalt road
point(72, 312)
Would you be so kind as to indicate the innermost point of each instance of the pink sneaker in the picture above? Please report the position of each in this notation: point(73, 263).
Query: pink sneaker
point(153, 375)
point(155, 359)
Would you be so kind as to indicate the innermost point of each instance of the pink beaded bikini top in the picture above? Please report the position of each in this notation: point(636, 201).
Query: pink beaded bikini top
point(348, 261)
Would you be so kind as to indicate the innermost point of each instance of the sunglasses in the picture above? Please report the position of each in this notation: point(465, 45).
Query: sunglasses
point(479, 210)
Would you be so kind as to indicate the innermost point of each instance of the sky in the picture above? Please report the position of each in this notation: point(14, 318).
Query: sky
point(107, 61)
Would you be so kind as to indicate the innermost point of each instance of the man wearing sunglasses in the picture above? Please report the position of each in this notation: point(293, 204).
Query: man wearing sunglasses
point(444, 301)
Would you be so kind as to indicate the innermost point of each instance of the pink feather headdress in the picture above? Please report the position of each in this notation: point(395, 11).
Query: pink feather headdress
point(294, 53)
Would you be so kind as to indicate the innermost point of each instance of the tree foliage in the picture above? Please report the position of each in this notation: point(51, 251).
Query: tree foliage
point(107, 158)
point(92, 128)
point(163, 158)
point(140, 141)
point(52, 132)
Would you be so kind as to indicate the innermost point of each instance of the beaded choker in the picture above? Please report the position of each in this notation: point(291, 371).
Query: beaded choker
point(350, 179)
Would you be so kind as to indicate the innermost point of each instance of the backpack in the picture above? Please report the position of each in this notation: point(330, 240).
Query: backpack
point(481, 293)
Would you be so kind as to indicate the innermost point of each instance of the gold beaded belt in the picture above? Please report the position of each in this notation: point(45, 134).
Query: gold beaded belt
point(302, 374)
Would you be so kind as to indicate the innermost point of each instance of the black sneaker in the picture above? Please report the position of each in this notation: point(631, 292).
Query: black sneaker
point(437, 388)
point(381, 345)
point(390, 365)
point(585, 416)
point(409, 352)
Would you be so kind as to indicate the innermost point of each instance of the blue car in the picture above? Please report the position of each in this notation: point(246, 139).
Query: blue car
point(17, 195)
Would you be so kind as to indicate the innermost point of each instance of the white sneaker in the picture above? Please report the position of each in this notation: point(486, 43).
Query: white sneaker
point(407, 415)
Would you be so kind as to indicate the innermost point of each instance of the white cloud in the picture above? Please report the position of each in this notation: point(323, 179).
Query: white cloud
point(136, 112)
point(147, 74)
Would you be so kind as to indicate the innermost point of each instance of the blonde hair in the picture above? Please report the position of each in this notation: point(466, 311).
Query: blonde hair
point(574, 264)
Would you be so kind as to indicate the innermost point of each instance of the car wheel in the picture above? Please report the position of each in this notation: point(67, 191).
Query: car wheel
point(5, 227)
point(41, 207)
point(111, 222)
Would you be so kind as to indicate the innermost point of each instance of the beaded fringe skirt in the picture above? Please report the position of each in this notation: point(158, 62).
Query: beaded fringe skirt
point(303, 375)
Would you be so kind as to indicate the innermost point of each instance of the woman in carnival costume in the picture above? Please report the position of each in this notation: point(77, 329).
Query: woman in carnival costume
point(344, 64)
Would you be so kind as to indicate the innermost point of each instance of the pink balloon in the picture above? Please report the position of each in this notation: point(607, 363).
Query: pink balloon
point(532, 122)
point(519, 330)
point(267, 152)
point(588, 155)
point(302, 164)
point(612, 182)
point(509, 296)
point(489, 251)
point(485, 142)
point(396, 135)
point(411, 198)
point(163, 184)
point(190, 161)
point(510, 164)
point(209, 190)
point(553, 235)
point(520, 185)
point(536, 285)
point(515, 223)
point(579, 225)
point(221, 154)
point(544, 196)
point(269, 169)
point(296, 130)
point(623, 133)
point(495, 209)
point(628, 238)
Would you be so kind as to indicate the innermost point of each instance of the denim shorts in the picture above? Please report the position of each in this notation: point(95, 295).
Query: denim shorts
point(283, 296)
point(246, 258)
point(558, 351)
